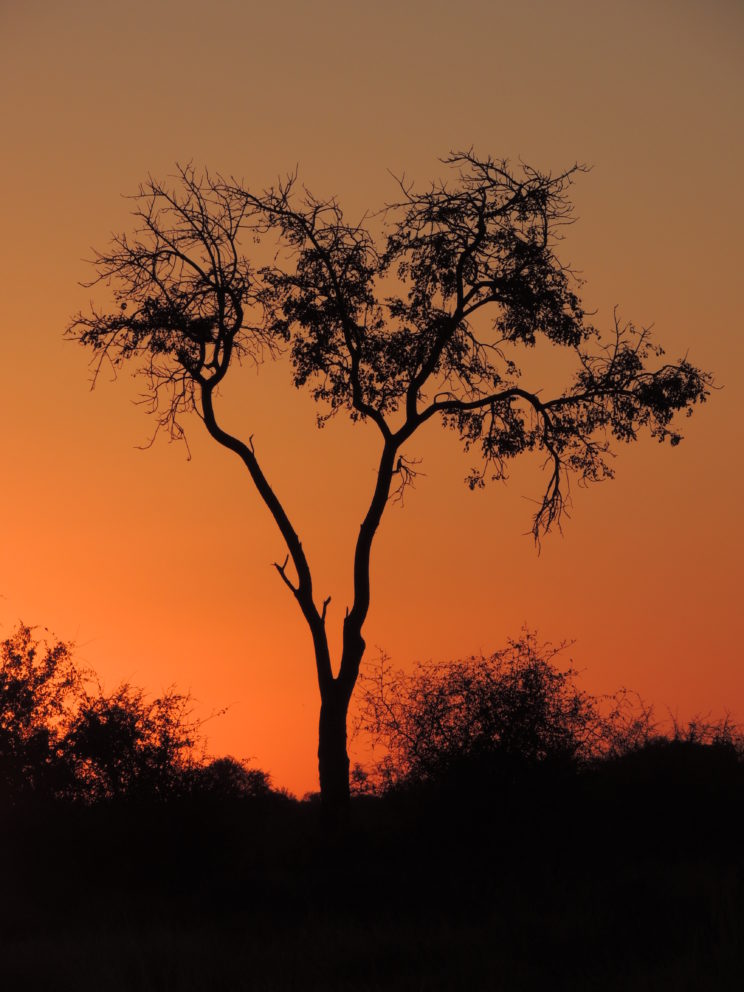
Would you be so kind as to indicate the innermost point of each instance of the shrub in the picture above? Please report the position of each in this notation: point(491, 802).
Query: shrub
point(495, 716)
point(40, 687)
point(63, 737)
point(124, 745)
point(503, 719)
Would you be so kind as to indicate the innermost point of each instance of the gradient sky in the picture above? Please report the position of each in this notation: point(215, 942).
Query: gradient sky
point(160, 568)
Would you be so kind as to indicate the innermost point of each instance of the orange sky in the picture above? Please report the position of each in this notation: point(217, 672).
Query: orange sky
point(160, 568)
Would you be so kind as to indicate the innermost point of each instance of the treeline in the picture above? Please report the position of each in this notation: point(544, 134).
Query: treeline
point(510, 831)
point(490, 723)
point(62, 737)
point(474, 728)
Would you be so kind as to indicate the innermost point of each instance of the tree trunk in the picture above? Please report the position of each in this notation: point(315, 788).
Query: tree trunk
point(333, 759)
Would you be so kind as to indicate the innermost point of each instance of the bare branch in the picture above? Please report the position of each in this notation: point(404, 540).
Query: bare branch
point(407, 475)
point(281, 569)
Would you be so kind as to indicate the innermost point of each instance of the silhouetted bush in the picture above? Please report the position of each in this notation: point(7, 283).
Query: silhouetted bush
point(40, 688)
point(505, 719)
point(225, 779)
point(63, 737)
point(488, 717)
point(682, 759)
point(477, 868)
point(124, 745)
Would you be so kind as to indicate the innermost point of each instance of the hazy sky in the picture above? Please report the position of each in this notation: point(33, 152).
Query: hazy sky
point(160, 568)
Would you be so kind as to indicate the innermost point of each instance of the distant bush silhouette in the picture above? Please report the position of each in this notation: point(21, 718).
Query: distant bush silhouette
point(226, 779)
point(699, 753)
point(40, 687)
point(492, 716)
point(123, 745)
point(535, 831)
point(63, 737)
point(502, 719)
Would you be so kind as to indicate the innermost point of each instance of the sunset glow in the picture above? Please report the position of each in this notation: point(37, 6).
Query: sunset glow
point(159, 566)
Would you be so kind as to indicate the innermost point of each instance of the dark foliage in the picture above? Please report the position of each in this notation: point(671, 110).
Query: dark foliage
point(493, 722)
point(628, 875)
point(40, 687)
point(606, 884)
point(122, 745)
point(225, 779)
point(62, 737)
point(380, 322)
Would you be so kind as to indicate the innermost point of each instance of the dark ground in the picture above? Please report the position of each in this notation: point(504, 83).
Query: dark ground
point(628, 878)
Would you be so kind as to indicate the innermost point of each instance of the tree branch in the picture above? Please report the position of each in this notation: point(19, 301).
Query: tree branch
point(303, 592)
point(281, 569)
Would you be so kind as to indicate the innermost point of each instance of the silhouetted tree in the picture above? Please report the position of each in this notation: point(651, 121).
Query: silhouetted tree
point(63, 737)
point(40, 687)
point(228, 779)
point(125, 746)
point(391, 328)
